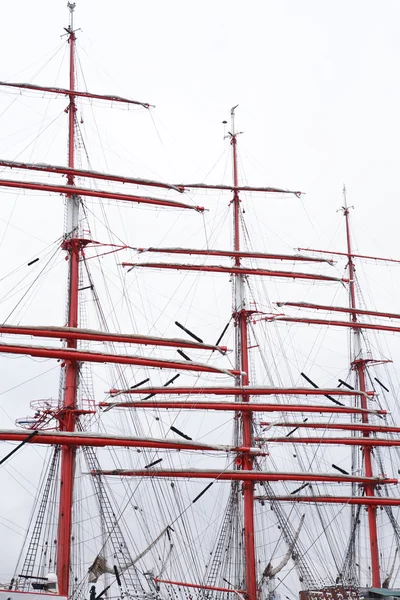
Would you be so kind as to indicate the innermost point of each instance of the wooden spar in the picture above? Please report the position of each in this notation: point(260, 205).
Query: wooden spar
point(352, 311)
point(366, 442)
point(80, 191)
point(347, 254)
point(231, 253)
point(233, 270)
point(343, 426)
point(73, 93)
point(77, 333)
point(348, 324)
point(238, 188)
point(120, 178)
point(71, 354)
point(242, 390)
point(97, 440)
point(74, 172)
point(244, 475)
point(239, 406)
point(199, 586)
point(363, 500)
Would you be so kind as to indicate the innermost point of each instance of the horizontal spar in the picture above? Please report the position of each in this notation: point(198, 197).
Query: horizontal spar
point(71, 190)
point(75, 333)
point(349, 441)
point(344, 426)
point(239, 406)
point(352, 255)
point(363, 500)
point(47, 168)
point(199, 586)
point(348, 324)
point(352, 311)
point(242, 391)
point(232, 253)
point(232, 188)
point(234, 270)
point(245, 476)
point(101, 440)
point(100, 357)
point(75, 93)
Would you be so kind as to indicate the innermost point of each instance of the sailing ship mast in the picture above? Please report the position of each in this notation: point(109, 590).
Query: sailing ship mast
point(68, 410)
point(245, 448)
point(240, 316)
point(67, 419)
point(360, 365)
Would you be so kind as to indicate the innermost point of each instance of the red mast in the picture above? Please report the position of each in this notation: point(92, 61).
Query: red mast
point(359, 364)
point(240, 315)
point(72, 245)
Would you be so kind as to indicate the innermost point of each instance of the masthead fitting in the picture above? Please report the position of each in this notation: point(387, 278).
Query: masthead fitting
point(233, 119)
point(71, 7)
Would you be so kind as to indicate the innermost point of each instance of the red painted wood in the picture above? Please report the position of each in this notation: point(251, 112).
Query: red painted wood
point(239, 475)
point(199, 586)
point(235, 270)
point(238, 406)
point(67, 189)
point(70, 354)
point(74, 333)
point(69, 401)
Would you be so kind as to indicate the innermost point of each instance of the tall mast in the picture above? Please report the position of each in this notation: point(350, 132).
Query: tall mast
point(67, 420)
point(240, 315)
point(360, 365)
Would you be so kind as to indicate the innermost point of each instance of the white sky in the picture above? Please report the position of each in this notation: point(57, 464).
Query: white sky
point(316, 83)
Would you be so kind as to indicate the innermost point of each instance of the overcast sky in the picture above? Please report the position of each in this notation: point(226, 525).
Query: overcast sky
point(316, 83)
point(318, 91)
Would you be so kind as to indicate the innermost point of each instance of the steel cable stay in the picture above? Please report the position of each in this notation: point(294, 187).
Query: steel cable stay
point(307, 577)
point(198, 496)
point(387, 378)
point(46, 480)
point(182, 512)
point(283, 520)
point(111, 529)
point(31, 260)
point(308, 580)
point(240, 544)
point(300, 457)
point(349, 251)
point(310, 547)
point(16, 288)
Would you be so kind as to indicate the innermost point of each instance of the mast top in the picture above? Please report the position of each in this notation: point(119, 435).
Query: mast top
point(345, 207)
point(233, 133)
point(71, 7)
